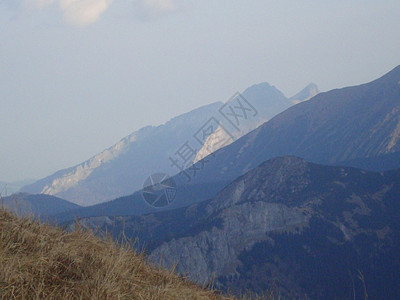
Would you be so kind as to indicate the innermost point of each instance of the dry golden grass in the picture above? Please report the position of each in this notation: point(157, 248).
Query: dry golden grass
point(43, 262)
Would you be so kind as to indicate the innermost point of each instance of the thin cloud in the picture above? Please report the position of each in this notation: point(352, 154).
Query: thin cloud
point(76, 12)
point(85, 12)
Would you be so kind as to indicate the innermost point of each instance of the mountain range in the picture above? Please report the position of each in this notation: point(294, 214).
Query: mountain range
point(279, 206)
point(123, 168)
point(345, 126)
point(303, 229)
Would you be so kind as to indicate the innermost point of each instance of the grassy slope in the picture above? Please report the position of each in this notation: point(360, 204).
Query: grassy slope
point(42, 262)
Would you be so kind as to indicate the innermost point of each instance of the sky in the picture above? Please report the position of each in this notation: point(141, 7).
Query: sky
point(76, 76)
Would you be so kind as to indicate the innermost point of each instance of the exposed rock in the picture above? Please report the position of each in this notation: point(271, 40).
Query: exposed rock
point(303, 229)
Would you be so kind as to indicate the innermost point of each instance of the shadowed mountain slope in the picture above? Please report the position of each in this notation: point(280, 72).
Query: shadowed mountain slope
point(309, 230)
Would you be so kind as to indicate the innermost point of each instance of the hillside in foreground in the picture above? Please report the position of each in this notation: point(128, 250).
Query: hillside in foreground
point(42, 262)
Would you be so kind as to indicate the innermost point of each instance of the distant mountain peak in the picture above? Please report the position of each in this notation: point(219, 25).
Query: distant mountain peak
point(267, 100)
point(305, 94)
point(264, 84)
point(265, 89)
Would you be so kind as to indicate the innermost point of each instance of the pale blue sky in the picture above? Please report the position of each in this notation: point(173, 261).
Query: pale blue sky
point(76, 76)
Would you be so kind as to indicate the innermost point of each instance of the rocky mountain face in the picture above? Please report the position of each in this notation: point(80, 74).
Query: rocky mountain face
point(266, 101)
point(353, 126)
point(124, 167)
point(303, 229)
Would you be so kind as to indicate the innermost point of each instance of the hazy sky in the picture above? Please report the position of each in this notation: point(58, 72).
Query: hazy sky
point(78, 75)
